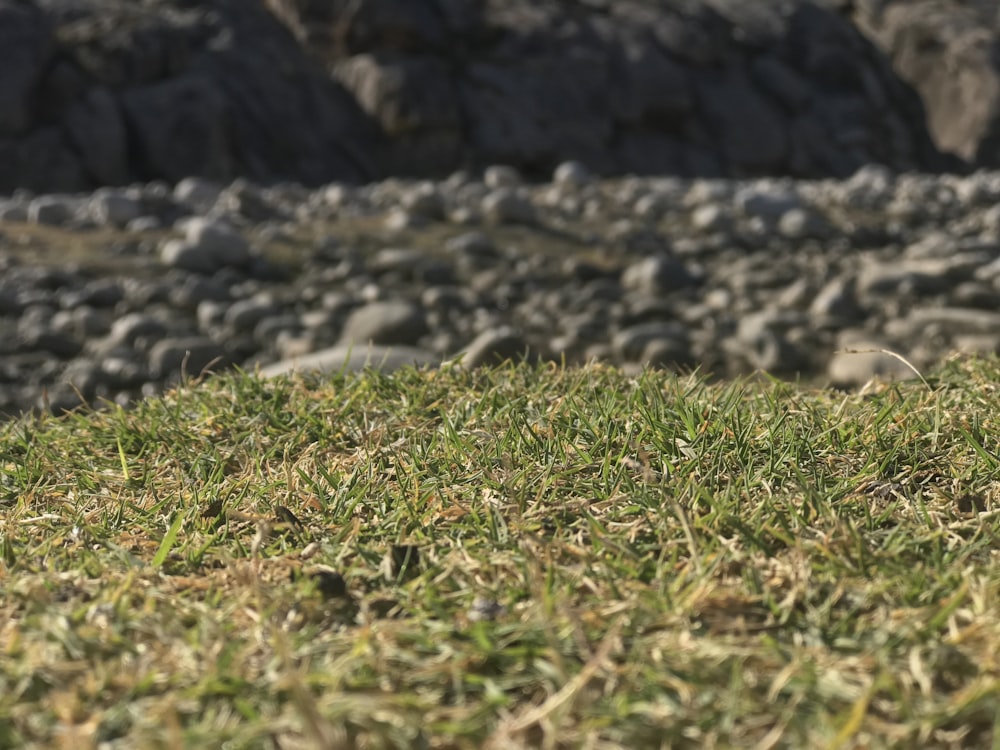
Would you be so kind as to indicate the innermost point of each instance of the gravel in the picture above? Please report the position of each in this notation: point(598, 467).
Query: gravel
point(116, 295)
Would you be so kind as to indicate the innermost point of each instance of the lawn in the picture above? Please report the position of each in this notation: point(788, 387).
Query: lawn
point(522, 557)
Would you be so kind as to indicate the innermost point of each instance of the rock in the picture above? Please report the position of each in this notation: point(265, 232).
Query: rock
point(348, 358)
point(507, 206)
point(571, 174)
point(245, 314)
point(657, 275)
point(767, 341)
point(802, 223)
point(948, 53)
point(631, 343)
point(96, 293)
point(415, 102)
point(247, 201)
point(53, 210)
point(424, 201)
point(501, 176)
point(35, 336)
point(769, 203)
point(836, 303)
point(114, 207)
point(914, 277)
point(12, 210)
point(922, 322)
point(473, 249)
point(385, 323)
point(492, 347)
point(187, 355)
point(84, 376)
point(197, 193)
point(131, 328)
point(859, 360)
point(272, 327)
point(209, 246)
point(193, 290)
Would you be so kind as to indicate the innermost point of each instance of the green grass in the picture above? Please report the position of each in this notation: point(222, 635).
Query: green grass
point(527, 557)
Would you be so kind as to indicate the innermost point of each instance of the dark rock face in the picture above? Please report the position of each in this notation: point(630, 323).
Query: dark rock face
point(109, 92)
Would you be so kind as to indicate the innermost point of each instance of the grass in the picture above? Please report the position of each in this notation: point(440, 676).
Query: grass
point(524, 557)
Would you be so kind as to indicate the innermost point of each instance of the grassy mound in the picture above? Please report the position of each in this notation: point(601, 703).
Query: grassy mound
point(516, 558)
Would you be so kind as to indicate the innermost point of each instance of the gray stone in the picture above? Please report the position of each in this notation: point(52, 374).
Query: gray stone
point(186, 255)
point(492, 347)
point(197, 193)
point(248, 201)
point(667, 353)
point(425, 201)
point(122, 372)
point(711, 217)
point(221, 242)
point(501, 176)
point(53, 210)
point(920, 321)
point(13, 210)
point(188, 356)
point(801, 223)
point(571, 174)
point(859, 360)
point(657, 275)
point(877, 279)
point(245, 314)
point(211, 315)
point(385, 323)
point(630, 343)
point(767, 341)
point(836, 302)
point(474, 248)
point(209, 246)
point(129, 328)
point(36, 337)
point(83, 375)
point(269, 328)
point(349, 358)
point(759, 200)
point(114, 207)
point(194, 290)
point(96, 293)
point(507, 206)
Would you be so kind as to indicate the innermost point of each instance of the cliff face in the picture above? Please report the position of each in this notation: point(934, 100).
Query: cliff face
point(99, 92)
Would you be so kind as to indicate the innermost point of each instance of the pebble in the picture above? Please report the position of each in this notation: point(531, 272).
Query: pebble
point(727, 276)
point(385, 323)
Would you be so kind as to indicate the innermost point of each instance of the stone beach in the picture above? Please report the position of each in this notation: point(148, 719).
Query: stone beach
point(113, 295)
point(709, 185)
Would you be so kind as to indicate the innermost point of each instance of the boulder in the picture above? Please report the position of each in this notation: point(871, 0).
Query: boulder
point(950, 53)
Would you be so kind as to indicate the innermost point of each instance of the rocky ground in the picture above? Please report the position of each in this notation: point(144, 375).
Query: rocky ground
point(112, 295)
